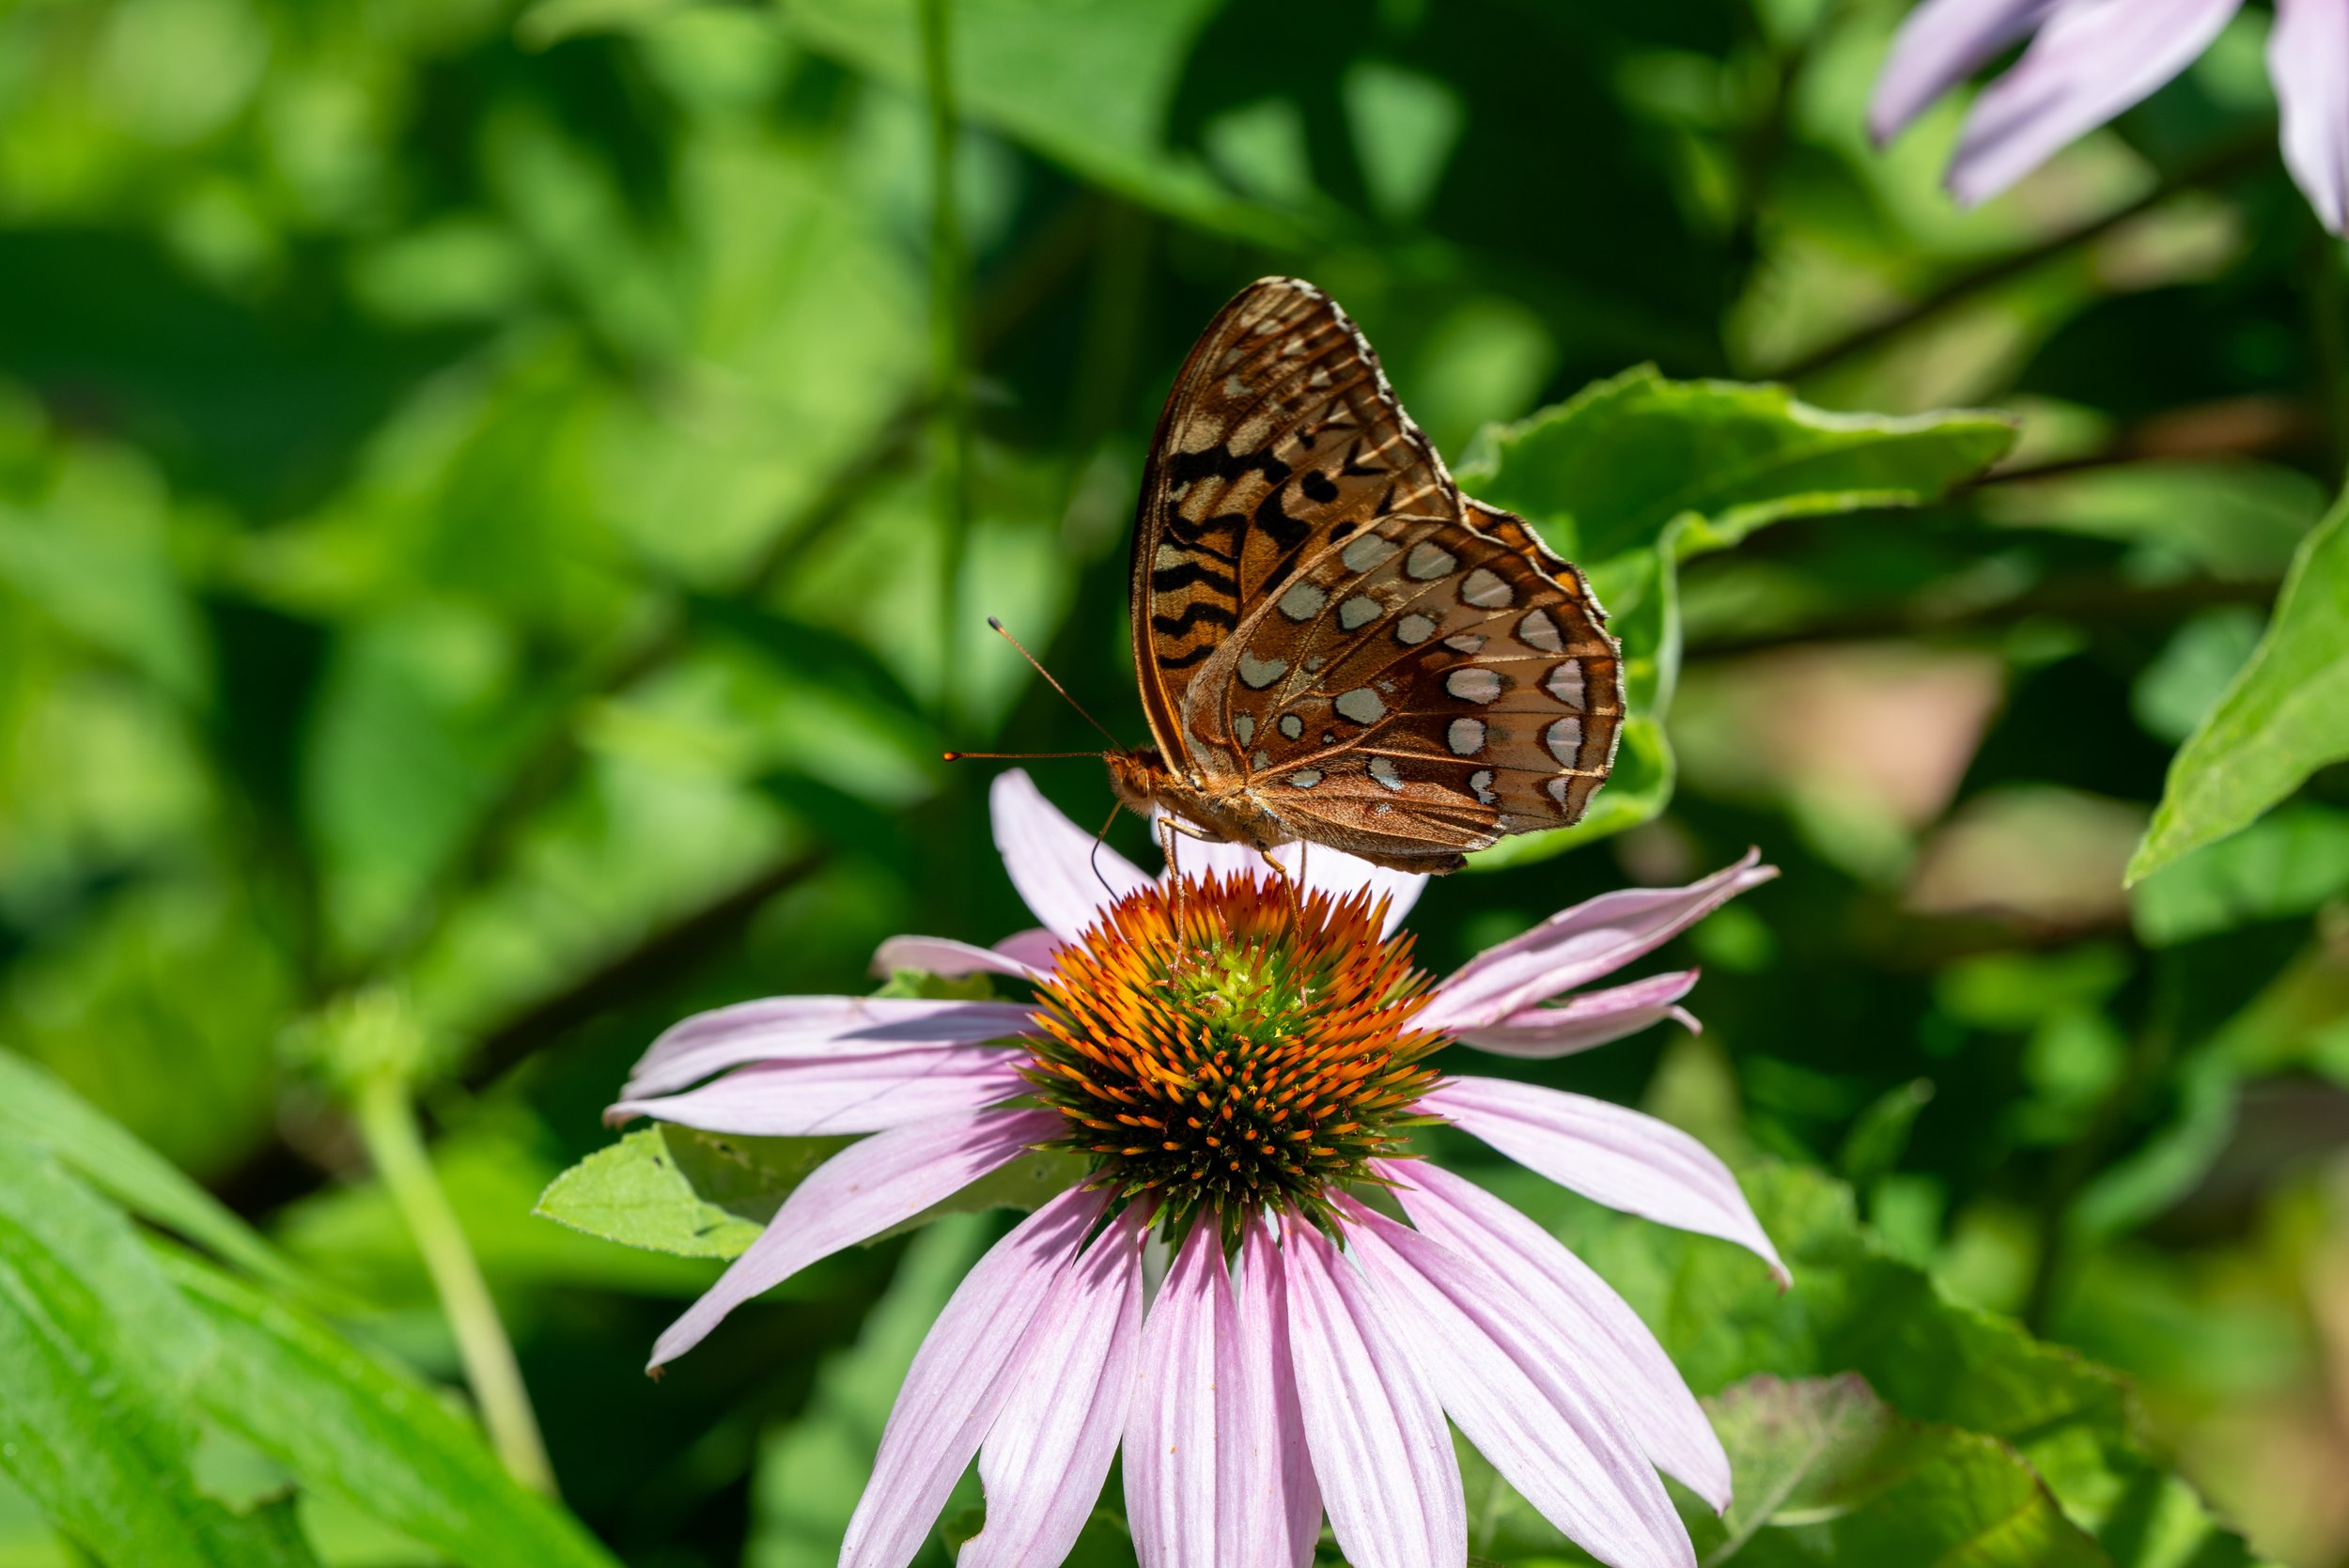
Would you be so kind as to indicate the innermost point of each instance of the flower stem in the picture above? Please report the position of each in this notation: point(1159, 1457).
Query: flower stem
point(949, 369)
point(387, 1124)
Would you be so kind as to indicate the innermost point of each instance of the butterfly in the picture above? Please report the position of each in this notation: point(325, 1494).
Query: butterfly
point(1333, 643)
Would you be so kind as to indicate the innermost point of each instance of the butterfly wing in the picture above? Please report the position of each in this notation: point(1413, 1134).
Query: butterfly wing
point(1280, 432)
point(1322, 620)
point(1420, 689)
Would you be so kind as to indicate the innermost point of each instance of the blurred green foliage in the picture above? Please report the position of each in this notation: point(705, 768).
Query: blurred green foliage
point(485, 523)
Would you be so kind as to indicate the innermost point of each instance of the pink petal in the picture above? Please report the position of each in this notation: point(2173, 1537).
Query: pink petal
point(1066, 875)
point(962, 1378)
point(1035, 947)
point(1212, 1456)
point(856, 1093)
point(1608, 1153)
point(859, 1192)
point(943, 956)
point(1593, 1018)
point(1561, 1442)
point(2093, 60)
point(1381, 1449)
point(1326, 870)
point(1576, 946)
point(1262, 1295)
point(815, 1029)
point(1049, 1450)
point(1577, 1315)
point(1942, 43)
point(2307, 56)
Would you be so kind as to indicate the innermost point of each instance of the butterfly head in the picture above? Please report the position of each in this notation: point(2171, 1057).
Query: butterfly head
point(1140, 777)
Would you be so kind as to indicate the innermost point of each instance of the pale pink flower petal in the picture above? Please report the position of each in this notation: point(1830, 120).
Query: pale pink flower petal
point(2093, 60)
point(1381, 1449)
point(855, 1093)
point(1210, 1468)
point(1608, 1153)
point(1066, 875)
point(2308, 57)
point(1035, 947)
point(1942, 43)
point(1559, 1442)
point(961, 1379)
point(1176, 1501)
point(860, 1192)
point(1578, 945)
point(1578, 1314)
point(1294, 1504)
point(815, 1029)
point(1591, 1018)
point(943, 956)
point(1048, 1451)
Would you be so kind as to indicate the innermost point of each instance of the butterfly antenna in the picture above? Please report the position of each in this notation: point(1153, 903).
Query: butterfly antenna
point(1011, 756)
point(998, 627)
point(1100, 838)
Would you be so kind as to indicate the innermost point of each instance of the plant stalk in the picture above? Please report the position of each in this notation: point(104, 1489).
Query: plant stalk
point(387, 1124)
point(950, 376)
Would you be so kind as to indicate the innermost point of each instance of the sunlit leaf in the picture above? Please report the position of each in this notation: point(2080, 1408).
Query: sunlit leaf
point(2286, 715)
point(98, 1355)
point(678, 1189)
point(36, 1108)
point(340, 1420)
point(1610, 468)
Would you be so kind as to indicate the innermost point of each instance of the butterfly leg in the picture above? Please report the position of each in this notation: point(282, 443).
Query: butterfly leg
point(1294, 885)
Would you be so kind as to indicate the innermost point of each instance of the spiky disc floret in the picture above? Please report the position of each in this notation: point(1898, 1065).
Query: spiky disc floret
point(1222, 1047)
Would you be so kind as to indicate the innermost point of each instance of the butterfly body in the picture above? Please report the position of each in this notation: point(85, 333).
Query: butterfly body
point(1333, 643)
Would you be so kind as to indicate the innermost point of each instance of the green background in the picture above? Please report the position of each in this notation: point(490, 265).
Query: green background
point(497, 509)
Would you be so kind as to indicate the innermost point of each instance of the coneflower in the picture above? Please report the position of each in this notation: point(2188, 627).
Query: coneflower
point(1239, 1058)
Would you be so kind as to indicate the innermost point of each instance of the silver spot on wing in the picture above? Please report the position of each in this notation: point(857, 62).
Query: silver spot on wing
point(1429, 561)
point(1472, 683)
point(1303, 602)
point(1565, 683)
point(1261, 673)
point(1487, 589)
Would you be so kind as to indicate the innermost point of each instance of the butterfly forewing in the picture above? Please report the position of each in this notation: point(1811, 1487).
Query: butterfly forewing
point(1278, 428)
point(1332, 631)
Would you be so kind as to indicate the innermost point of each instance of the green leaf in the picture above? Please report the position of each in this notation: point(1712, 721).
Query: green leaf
point(1855, 1308)
point(2286, 864)
point(372, 1436)
point(37, 1107)
point(676, 1189)
point(1827, 1473)
point(1612, 468)
point(1635, 474)
point(1090, 86)
point(2285, 716)
point(97, 1354)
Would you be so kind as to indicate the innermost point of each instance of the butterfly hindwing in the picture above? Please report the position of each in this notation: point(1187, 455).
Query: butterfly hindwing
point(1416, 689)
point(1279, 427)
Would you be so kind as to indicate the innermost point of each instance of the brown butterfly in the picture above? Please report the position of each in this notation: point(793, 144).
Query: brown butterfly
point(1334, 643)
